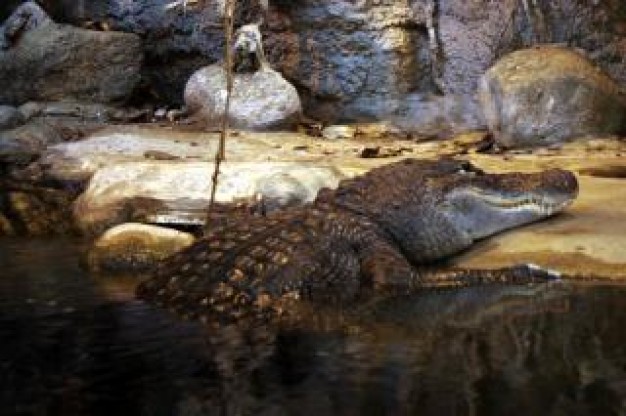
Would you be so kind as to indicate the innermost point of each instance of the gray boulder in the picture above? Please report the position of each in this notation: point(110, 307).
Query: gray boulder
point(260, 100)
point(549, 94)
point(51, 62)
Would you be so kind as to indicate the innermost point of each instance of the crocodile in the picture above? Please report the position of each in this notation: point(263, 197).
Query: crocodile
point(370, 235)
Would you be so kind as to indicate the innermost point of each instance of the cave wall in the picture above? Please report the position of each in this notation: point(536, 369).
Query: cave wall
point(355, 59)
point(6, 7)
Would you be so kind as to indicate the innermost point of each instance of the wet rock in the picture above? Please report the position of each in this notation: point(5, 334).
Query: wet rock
point(10, 117)
point(178, 193)
point(260, 100)
point(134, 247)
point(51, 62)
point(549, 94)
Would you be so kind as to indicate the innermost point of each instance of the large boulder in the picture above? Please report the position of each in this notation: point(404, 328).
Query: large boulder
point(260, 100)
point(548, 94)
point(170, 192)
point(77, 161)
point(52, 62)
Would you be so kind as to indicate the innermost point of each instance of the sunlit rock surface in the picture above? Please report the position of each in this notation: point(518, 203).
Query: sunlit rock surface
point(261, 100)
point(135, 247)
point(548, 94)
point(54, 62)
point(79, 160)
point(179, 193)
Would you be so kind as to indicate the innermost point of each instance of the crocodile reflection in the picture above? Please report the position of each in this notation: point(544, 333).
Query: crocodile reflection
point(484, 350)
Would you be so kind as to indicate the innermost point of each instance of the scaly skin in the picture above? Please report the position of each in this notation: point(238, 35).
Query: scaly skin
point(369, 234)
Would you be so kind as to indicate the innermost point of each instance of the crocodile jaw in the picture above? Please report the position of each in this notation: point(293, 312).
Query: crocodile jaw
point(478, 213)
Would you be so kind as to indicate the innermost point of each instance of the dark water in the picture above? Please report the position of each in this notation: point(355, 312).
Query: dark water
point(74, 344)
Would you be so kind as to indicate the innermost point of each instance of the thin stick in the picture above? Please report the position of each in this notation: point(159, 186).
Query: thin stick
point(220, 155)
point(434, 47)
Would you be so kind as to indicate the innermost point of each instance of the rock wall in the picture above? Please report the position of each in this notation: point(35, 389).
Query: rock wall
point(362, 58)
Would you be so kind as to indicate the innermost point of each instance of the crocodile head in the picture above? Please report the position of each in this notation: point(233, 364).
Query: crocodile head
point(435, 209)
point(480, 204)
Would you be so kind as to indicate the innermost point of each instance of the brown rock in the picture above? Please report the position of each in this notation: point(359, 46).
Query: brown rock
point(135, 247)
point(548, 94)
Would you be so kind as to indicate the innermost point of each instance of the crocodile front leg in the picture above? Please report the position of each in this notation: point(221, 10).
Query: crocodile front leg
point(386, 270)
point(457, 278)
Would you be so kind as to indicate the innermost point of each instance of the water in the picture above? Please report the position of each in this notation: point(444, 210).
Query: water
point(75, 344)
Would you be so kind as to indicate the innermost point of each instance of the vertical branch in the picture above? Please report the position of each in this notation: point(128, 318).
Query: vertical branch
point(530, 20)
point(436, 63)
point(541, 27)
point(220, 154)
point(229, 17)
